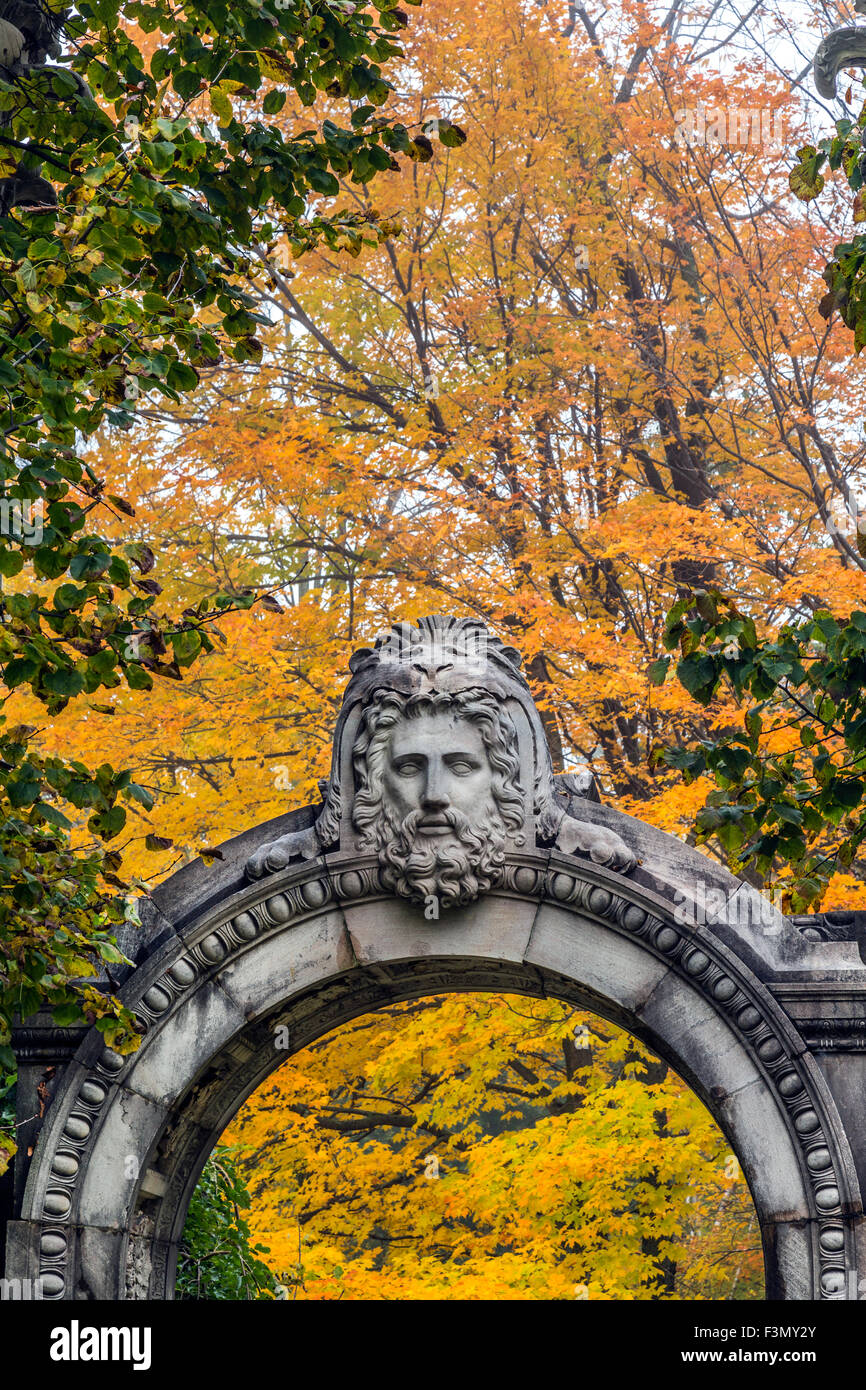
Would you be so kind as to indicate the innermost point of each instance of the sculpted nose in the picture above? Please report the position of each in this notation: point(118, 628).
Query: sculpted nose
point(435, 796)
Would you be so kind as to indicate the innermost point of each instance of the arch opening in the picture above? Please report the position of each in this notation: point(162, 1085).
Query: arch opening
point(486, 1146)
point(202, 1115)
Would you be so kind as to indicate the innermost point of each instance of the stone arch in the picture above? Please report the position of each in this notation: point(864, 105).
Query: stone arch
point(441, 793)
point(317, 944)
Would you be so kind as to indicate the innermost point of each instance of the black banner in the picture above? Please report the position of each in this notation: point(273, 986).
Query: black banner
point(221, 1338)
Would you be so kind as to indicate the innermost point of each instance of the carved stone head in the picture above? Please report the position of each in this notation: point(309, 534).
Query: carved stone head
point(437, 788)
point(440, 768)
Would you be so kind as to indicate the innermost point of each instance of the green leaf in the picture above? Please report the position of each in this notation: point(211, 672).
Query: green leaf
point(11, 562)
point(274, 101)
point(420, 149)
point(322, 181)
point(51, 814)
point(160, 153)
point(23, 791)
point(804, 179)
point(186, 82)
point(186, 646)
point(110, 953)
point(141, 795)
point(849, 793)
point(451, 135)
point(157, 842)
point(137, 678)
point(698, 675)
point(222, 106)
point(108, 823)
point(65, 1015)
point(66, 681)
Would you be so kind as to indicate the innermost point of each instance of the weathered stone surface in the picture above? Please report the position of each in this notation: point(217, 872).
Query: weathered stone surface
point(496, 929)
point(789, 1258)
point(129, 1130)
point(611, 966)
point(286, 962)
point(23, 1240)
point(700, 1034)
point(845, 1074)
point(99, 1267)
point(181, 1046)
point(189, 891)
point(771, 1162)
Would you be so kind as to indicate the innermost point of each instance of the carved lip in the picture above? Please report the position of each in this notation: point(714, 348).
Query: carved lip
point(435, 825)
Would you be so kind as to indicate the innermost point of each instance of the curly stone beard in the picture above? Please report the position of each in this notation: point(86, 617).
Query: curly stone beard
point(456, 870)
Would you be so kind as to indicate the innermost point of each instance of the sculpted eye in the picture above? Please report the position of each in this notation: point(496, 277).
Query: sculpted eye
point(463, 767)
point(408, 769)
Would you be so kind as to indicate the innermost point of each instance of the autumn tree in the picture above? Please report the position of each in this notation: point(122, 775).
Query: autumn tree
point(492, 1147)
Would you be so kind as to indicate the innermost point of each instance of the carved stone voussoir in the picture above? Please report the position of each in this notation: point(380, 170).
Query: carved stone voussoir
point(441, 768)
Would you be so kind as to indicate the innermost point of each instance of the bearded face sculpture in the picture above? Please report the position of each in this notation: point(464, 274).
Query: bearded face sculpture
point(441, 769)
point(437, 779)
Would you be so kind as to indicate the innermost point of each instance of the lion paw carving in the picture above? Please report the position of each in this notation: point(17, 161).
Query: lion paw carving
point(278, 854)
point(594, 842)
